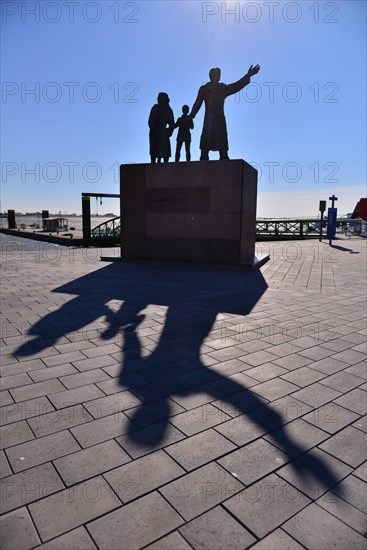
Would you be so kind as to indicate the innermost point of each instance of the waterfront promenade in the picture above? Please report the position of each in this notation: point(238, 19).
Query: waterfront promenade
point(177, 407)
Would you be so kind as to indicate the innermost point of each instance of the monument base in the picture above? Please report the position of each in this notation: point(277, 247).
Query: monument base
point(199, 212)
point(256, 263)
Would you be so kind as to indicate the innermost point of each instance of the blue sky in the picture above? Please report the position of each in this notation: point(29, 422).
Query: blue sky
point(96, 68)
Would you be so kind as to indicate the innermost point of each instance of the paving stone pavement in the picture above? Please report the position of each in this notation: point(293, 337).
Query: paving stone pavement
point(177, 407)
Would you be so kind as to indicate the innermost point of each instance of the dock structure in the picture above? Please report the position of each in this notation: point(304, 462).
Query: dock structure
point(68, 238)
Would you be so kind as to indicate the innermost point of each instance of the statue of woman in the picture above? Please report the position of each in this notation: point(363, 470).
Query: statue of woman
point(161, 123)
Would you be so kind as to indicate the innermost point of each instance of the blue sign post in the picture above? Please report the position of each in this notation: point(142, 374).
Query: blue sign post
point(331, 224)
point(331, 220)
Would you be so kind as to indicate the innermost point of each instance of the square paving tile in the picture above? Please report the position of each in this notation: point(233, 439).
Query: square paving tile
point(143, 475)
point(344, 511)
point(200, 395)
point(276, 540)
point(24, 366)
point(314, 472)
point(239, 403)
point(53, 372)
point(245, 428)
point(154, 411)
point(56, 421)
point(4, 466)
point(234, 383)
point(63, 358)
point(254, 461)
point(18, 531)
point(37, 389)
point(77, 539)
point(316, 353)
point(102, 429)
point(353, 489)
point(5, 398)
point(296, 437)
point(361, 472)
point(33, 484)
point(125, 524)
point(227, 353)
point(41, 450)
point(97, 363)
point(286, 409)
point(359, 369)
point(25, 409)
point(361, 424)
point(201, 490)
point(337, 345)
point(304, 376)
point(331, 417)
point(203, 531)
point(314, 527)
point(266, 504)
point(342, 381)
point(355, 400)
point(316, 394)
point(265, 372)
point(146, 440)
point(328, 365)
point(112, 404)
point(90, 462)
point(349, 445)
point(14, 381)
point(350, 356)
point(174, 540)
point(83, 378)
point(199, 449)
point(259, 358)
point(77, 395)
point(273, 389)
point(13, 434)
point(293, 361)
point(199, 419)
point(73, 507)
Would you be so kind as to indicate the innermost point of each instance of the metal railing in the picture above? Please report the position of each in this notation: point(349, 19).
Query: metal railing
point(289, 228)
point(272, 228)
point(110, 229)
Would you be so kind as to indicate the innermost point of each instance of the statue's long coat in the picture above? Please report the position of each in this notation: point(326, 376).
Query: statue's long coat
point(159, 134)
point(213, 94)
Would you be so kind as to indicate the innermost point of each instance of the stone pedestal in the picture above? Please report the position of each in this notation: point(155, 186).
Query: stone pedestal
point(201, 212)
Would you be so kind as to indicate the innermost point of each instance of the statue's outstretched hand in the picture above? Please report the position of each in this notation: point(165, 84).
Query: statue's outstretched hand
point(253, 70)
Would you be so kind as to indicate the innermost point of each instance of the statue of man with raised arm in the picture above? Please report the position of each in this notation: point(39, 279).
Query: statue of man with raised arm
point(213, 94)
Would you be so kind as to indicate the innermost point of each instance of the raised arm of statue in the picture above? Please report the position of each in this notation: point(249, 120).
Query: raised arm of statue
point(237, 86)
point(198, 103)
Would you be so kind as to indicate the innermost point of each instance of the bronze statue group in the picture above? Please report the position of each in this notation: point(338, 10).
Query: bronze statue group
point(214, 134)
